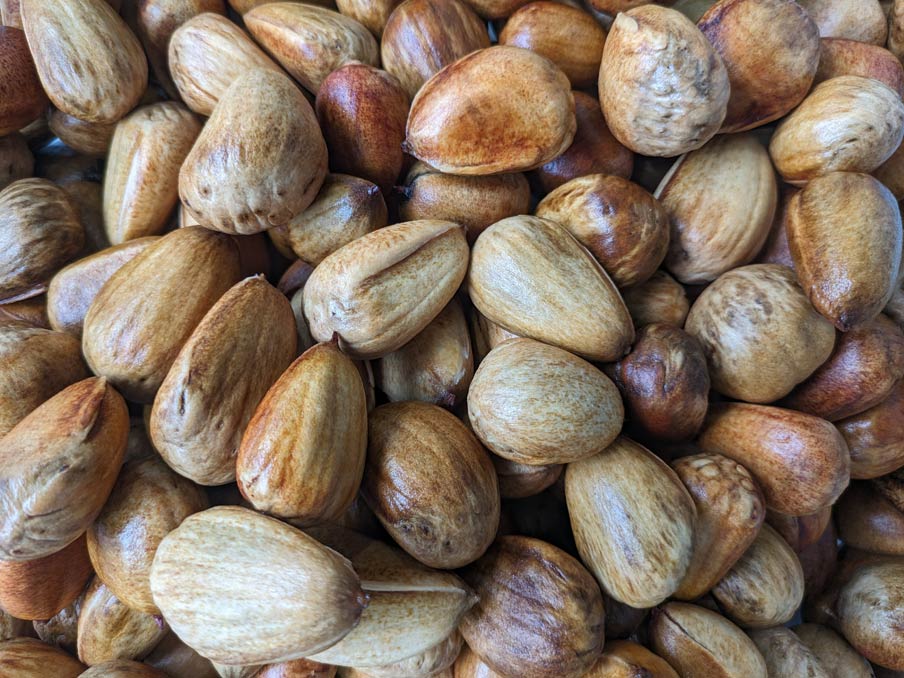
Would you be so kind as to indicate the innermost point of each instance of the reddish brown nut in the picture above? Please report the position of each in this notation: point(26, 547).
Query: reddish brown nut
point(22, 99)
point(517, 481)
point(372, 14)
point(776, 249)
point(876, 437)
point(862, 20)
point(800, 531)
point(839, 56)
point(870, 516)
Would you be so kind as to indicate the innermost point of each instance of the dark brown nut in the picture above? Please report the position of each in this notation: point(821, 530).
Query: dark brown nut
point(633, 521)
point(871, 610)
point(362, 112)
point(776, 250)
point(148, 501)
point(426, 664)
point(517, 480)
point(493, 9)
point(61, 630)
point(39, 232)
point(580, 415)
point(205, 403)
point(867, 126)
point(122, 668)
point(207, 54)
point(819, 562)
point(475, 202)
point(891, 172)
point(730, 512)
point(663, 89)
point(527, 128)
point(90, 64)
point(661, 299)
point(700, 643)
point(870, 516)
point(38, 589)
point(73, 288)
point(373, 14)
point(622, 225)
point(141, 179)
point(721, 201)
point(435, 367)
point(765, 587)
point(431, 484)
point(132, 332)
point(519, 580)
point(380, 291)
point(16, 160)
point(569, 37)
point(875, 437)
point(57, 467)
point(665, 383)
point(839, 56)
point(109, 630)
point(862, 20)
point(800, 531)
point(309, 41)
point(533, 278)
point(786, 654)
point(87, 196)
point(801, 462)
point(302, 454)
point(37, 364)
point(760, 334)
point(767, 82)
point(89, 138)
point(30, 658)
point(178, 660)
point(31, 312)
point(594, 150)
point(833, 652)
point(832, 225)
point(627, 659)
point(622, 621)
point(22, 99)
point(423, 36)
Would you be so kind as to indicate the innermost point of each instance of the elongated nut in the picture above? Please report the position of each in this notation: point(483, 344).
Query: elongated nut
point(30, 658)
point(786, 654)
point(833, 652)
point(626, 659)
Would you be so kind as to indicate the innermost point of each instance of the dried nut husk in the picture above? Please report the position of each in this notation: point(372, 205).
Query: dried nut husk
point(664, 382)
point(431, 484)
point(260, 159)
point(459, 124)
point(833, 652)
point(730, 512)
point(109, 630)
point(760, 334)
point(721, 202)
point(73, 288)
point(580, 414)
point(486, 335)
point(661, 299)
point(839, 56)
point(207, 54)
point(519, 581)
point(569, 37)
point(801, 462)
point(16, 159)
point(133, 332)
point(30, 658)
point(641, 563)
point(311, 600)
point(38, 589)
point(800, 531)
point(862, 20)
point(627, 659)
point(425, 664)
point(663, 88)
point(875, 437)
point(435, 367)
point(867, 124)
point(208, 396)
point(89, 138)
point(700, 643)
point(870, 516)
point(379, 291)
point(766, 585)
point(622, 225)
point(863, 369)
point(10, 627)
point(786, 654)
point(148, 501)
point(141, 180)
point(517, 480)
point(90, 64)
point(423, 36)
point(57, 467)
point(123, 668)
point(302, 454)
point(61, 630)
point(844, 232)
point(22, 99)
point(870, 610)
point(594, 150)
point(475, 202)
point(39, 232)
point(178, 660)
point(362, 112)
point(37, 364)
point(769, 81)
point(372, 14)
point(532, 277)
point(412, 608)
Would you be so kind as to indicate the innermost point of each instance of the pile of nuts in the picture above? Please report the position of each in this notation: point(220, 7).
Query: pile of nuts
point(451, 339)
